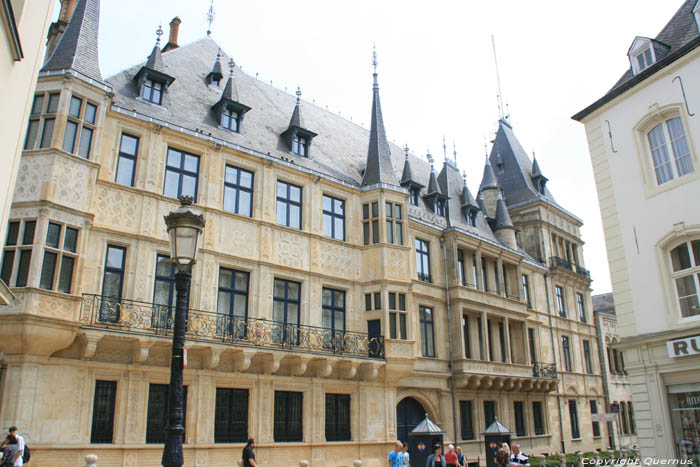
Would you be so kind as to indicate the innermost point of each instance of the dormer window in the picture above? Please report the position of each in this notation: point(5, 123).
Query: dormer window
point(644, 52)
point(214, 81)
point(440, 207)
point(540, 187)
point(230, 119)
point(471, 217)
point(644, 59)
point(299, 145)
point(413, 196)
point(152, 91)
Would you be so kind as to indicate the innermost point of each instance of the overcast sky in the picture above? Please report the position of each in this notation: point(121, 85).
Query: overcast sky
point(436, 70)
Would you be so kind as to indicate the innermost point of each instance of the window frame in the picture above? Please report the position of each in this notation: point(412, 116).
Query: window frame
point(288, 202)
point(333, 216)
point(566, 352)
point(45, 113)
point(335, 429)
point(81, 124)
point(235, 416)
point(466, 420)
point(519, 417)
point(573, 419)
point(560, 300)
point(370, 222)
point(394, 222)
point(237, 189)
point(156, 422)
point(581, 307)
point(538, 418)
point(233, 117)
point(151, 88)
point(112, 312)
point(423, 259)
point(125, 155)
point(398, 316)
point(285, 430)
point(300, 145)
point(181, 172)
point(595, 426)
point(588, 361)
point(427, 327)
point(692, 271)
point(102, 431)
point(61, 253)
point(526, 290)
point(19, 252)
point(490, 406)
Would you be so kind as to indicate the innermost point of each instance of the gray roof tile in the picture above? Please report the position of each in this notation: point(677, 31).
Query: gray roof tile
point(77, 49)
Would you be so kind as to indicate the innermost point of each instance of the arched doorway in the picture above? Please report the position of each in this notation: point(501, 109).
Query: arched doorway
point(409, 413)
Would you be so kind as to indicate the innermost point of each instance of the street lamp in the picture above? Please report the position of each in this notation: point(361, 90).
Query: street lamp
point(184, 228)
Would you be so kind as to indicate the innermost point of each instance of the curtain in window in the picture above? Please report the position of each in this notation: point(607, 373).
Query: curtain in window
point(659, 152)
point(680, 146)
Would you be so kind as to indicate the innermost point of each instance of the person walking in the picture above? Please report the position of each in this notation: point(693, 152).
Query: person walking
point(10, 447)
point(503, 455)
point(436, 458)
point(451, 456)
point(14, 434)
point(518, 459)
point(395, 456)
point(248, 454)
point(405, 457)
point(461, 458)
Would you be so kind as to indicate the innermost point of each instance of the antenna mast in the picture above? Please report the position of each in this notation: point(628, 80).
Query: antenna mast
point(498, 79)
point(210, 17)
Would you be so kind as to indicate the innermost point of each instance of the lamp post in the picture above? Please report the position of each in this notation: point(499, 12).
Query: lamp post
point(184, 228)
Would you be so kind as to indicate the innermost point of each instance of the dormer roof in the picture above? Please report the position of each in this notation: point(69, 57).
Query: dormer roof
point(216, 73)
point(230, 97)
point(153, 68)
point(77, 49)
point(466, 199)
point(503, 220)
point(296, 124)
point(407, 178)
point(488, 181)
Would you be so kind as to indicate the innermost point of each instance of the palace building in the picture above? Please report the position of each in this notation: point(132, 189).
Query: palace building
point(345, 287)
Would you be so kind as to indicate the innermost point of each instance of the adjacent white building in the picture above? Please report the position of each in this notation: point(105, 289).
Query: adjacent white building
point(643, 137)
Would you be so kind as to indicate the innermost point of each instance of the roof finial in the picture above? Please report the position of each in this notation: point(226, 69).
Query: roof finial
point(374, 65)
point(210, 17)
point(498, 80)
point(444, 147)
point(454, 151)
point(231, 64)
point(430, 159)
point(159, 32)
point(405, 148)
point(218, 55)
point(298, 93)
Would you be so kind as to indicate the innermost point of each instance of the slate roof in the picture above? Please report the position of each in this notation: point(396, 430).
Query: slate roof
point(488, 180)
point(604, 303)
point(379, 168)
point(77, 49)
point(678, 37)
point(502, 217)
point(515, 179)
point(427, 427)
point(340, 150)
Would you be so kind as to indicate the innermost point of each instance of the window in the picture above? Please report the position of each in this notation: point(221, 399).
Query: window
point(80, 127)
point(489, 413)
point(485, 274)
point(426, 331)
point(370, 221)
point(467, 337)
point(489, 340)
point(423, 260)
point(580, 307)
point(288, 416)
point(610, 362)
point(230, 119)
point(630, 412)
point(368, 302)
point(531, 342)
point(103, 412)
point(465, 412)
point(461, 275)
point(561, 307)
point(338, 417)
point(537, 418)
point(397, 320)
point(616, 362)
point(502, 338)
point(414, 194)
point(112, 283)
point(181, 173)
point(163, 293)
point(231, 416)
point(232, 302)
point(42, 116)
point(623, 417)
point(286, 309)
point(471, 217)
point(475, 273)
point(288, 205)
point(394, 224)
point(573, 418)
point(587, 357)
point(238, 191)
point(644, 59)
point(157, 415)
point(622, 362)
point(18, 251)
point(60, 254)
point(595, 425)
point(685, 272)
point(152, 91)
point(299, 145)
point(519, 410)
point(526, 290)
point(126, 164)
point(480, 334)
point(672, 131)
point(440, 207)
point(333, 317)
point(567, 352)
point(333, 217)
point(377, 300)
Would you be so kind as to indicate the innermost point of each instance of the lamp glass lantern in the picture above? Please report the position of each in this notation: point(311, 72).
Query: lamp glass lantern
point(184, 228)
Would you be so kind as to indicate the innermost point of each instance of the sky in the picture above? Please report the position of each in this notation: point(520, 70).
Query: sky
point(436, 70)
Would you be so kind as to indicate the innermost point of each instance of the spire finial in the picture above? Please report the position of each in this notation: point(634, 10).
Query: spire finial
point(430, 159)
point(405, 148)
point(210, 17)
point(498, 80)
point(464, 177)
point(444, 147)
point(374, 65)
point(159, 32)
point(454, 150)
point(218, 55)
point(231, 64)
point(298, 93)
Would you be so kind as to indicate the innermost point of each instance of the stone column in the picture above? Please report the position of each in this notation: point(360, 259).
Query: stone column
point(501, 285)
point(34, 275)
point(485, 334)
point(469, 267)
point(526, 344)
point(509, 352)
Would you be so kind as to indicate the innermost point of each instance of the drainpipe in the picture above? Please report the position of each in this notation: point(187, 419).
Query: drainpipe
point(604, 373)
point(449, 334)
point(554, 354)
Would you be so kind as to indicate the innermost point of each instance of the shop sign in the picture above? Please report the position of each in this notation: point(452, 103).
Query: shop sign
point(683, 347)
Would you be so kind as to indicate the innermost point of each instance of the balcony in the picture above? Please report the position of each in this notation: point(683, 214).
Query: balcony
point(544, 370)
point(501, 376)
point(148, 319)
point(556, 262)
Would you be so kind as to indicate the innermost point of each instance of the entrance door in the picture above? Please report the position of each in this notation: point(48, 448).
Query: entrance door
point(409, 413)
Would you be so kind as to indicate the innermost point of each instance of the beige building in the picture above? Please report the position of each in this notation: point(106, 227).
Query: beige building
point(643, 138)
point(618, 392)
point(344, 287)
point(23, 27)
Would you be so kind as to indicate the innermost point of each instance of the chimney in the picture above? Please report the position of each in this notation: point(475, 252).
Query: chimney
point(174, 31)
point(56, 29)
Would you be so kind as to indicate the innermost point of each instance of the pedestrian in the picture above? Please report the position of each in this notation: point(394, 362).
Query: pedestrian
point(436, 458)
point(405, 457)
point(395, 456)
point(451, 456)
point(503, 455)
point(461, 458)
point(14, 434)
point(518, 458)
point(248, 454)
point(10, 447)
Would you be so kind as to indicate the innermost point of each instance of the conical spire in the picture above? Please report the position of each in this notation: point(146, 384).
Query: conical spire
point(502, 217)
point(489, 180)
point(407, 179)
point(296, 119)
point(536, 172)
point(482, 204)
point(77, 49)
point(466, 198)
point(230, 91)
point(216, 74)
point(296, 130)
point(379, 168)
point(433, 187)
point(229, 98)
point(155, 60)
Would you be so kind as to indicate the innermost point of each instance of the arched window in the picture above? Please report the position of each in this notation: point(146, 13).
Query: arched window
point(669, 148)
point(685, 272)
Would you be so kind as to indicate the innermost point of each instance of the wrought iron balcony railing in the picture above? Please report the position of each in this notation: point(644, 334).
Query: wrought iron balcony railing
point(135, 317)
point(556, 262)
point(582, 271)
point(544, 370)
